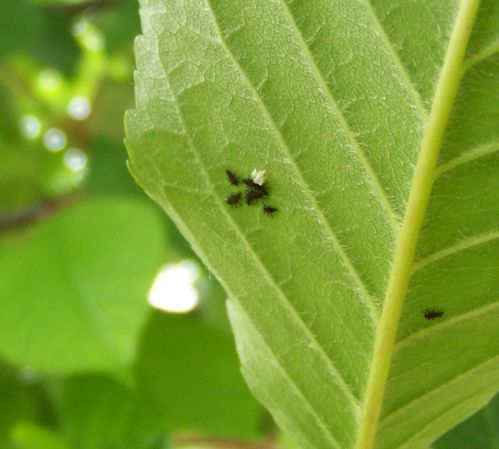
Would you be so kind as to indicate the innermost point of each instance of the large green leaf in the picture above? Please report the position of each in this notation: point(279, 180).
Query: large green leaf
point(377, 124)
point(190, 373)
point(73, 289)
point(34, 436)
point(480, 431)
point(97, 412)
point(18, 403)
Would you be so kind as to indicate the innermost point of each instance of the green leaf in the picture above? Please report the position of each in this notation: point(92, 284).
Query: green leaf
point(376, 122)
point(98, 412)
point(34, 436)
point(108, 173)
point(20, 400)
point(73, 290)
point(45, 35)
point(191, 374)
point(480, 431)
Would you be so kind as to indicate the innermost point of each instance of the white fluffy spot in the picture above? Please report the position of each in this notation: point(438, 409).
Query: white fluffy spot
point(258, 176)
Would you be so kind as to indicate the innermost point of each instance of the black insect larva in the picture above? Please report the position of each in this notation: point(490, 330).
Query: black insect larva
point(431, 314)
point(254, 186)
point(232, 177)
point(269, 210)
point(233, 199)
point(253, 195)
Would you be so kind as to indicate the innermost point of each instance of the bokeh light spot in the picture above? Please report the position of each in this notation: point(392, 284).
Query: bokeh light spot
point(79, 27)
point(54, 140)
point(173, 288)
point(75, 159)
point(79, 108)
point(30, 126)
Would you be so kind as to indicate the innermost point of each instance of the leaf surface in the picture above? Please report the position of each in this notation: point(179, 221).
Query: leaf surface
point(98, 412)
point(72, 289)
point(377, 125)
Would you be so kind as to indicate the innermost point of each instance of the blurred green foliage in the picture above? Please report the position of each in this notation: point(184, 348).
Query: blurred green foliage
point(85, 361)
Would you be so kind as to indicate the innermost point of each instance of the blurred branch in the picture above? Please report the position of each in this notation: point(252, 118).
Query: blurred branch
point(220, 443)
point(37, 212)
point(16, 81)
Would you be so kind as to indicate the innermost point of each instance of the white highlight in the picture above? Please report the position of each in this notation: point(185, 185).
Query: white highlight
point(54, 140)
point(30, 126)
point(173, 289)
point(75, 159)
point(79, 108)
point(258, 176)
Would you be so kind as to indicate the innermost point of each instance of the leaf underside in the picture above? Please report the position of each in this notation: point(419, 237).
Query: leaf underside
point(376, 122)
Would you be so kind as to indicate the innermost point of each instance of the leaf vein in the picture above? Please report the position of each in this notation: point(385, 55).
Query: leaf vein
point(402, 408)
point(372, 177)
point(408, 443)
point(465, 158)
point(486, 53)
point(403, 261)
point(263, 269)
point(366, 296)
point(295, 387)
point(455, 248)
point(403, 75)
point(429, 331)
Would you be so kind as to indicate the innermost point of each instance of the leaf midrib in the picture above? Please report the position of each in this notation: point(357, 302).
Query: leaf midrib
point(445, 94)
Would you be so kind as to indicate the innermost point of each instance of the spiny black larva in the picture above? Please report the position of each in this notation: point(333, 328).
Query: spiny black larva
point(269, 210)
point(253, 195)
point(233, 199)
point(252, 185)
point(232, 177)
point(431, 314)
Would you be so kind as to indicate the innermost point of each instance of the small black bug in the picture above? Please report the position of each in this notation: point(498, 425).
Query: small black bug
point(269, 210)
point(233, 199)
point(253, 195)
point(232, 177)
point(254, 186)
point(431, 314)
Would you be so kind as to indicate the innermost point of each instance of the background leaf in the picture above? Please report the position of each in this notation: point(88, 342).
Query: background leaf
point(80, 52)
point(81, 299)
point(375, 124)
point(478, 431)
point(32, 436)
point(190, 372)
point(21, 400)
point(99, 412)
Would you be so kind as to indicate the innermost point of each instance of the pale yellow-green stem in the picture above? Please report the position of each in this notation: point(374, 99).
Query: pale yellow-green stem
point(445, 95)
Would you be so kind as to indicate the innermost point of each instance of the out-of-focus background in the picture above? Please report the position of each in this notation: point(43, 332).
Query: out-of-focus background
point(112, 334)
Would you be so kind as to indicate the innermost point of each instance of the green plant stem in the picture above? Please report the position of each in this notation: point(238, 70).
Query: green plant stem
point(445, 95)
